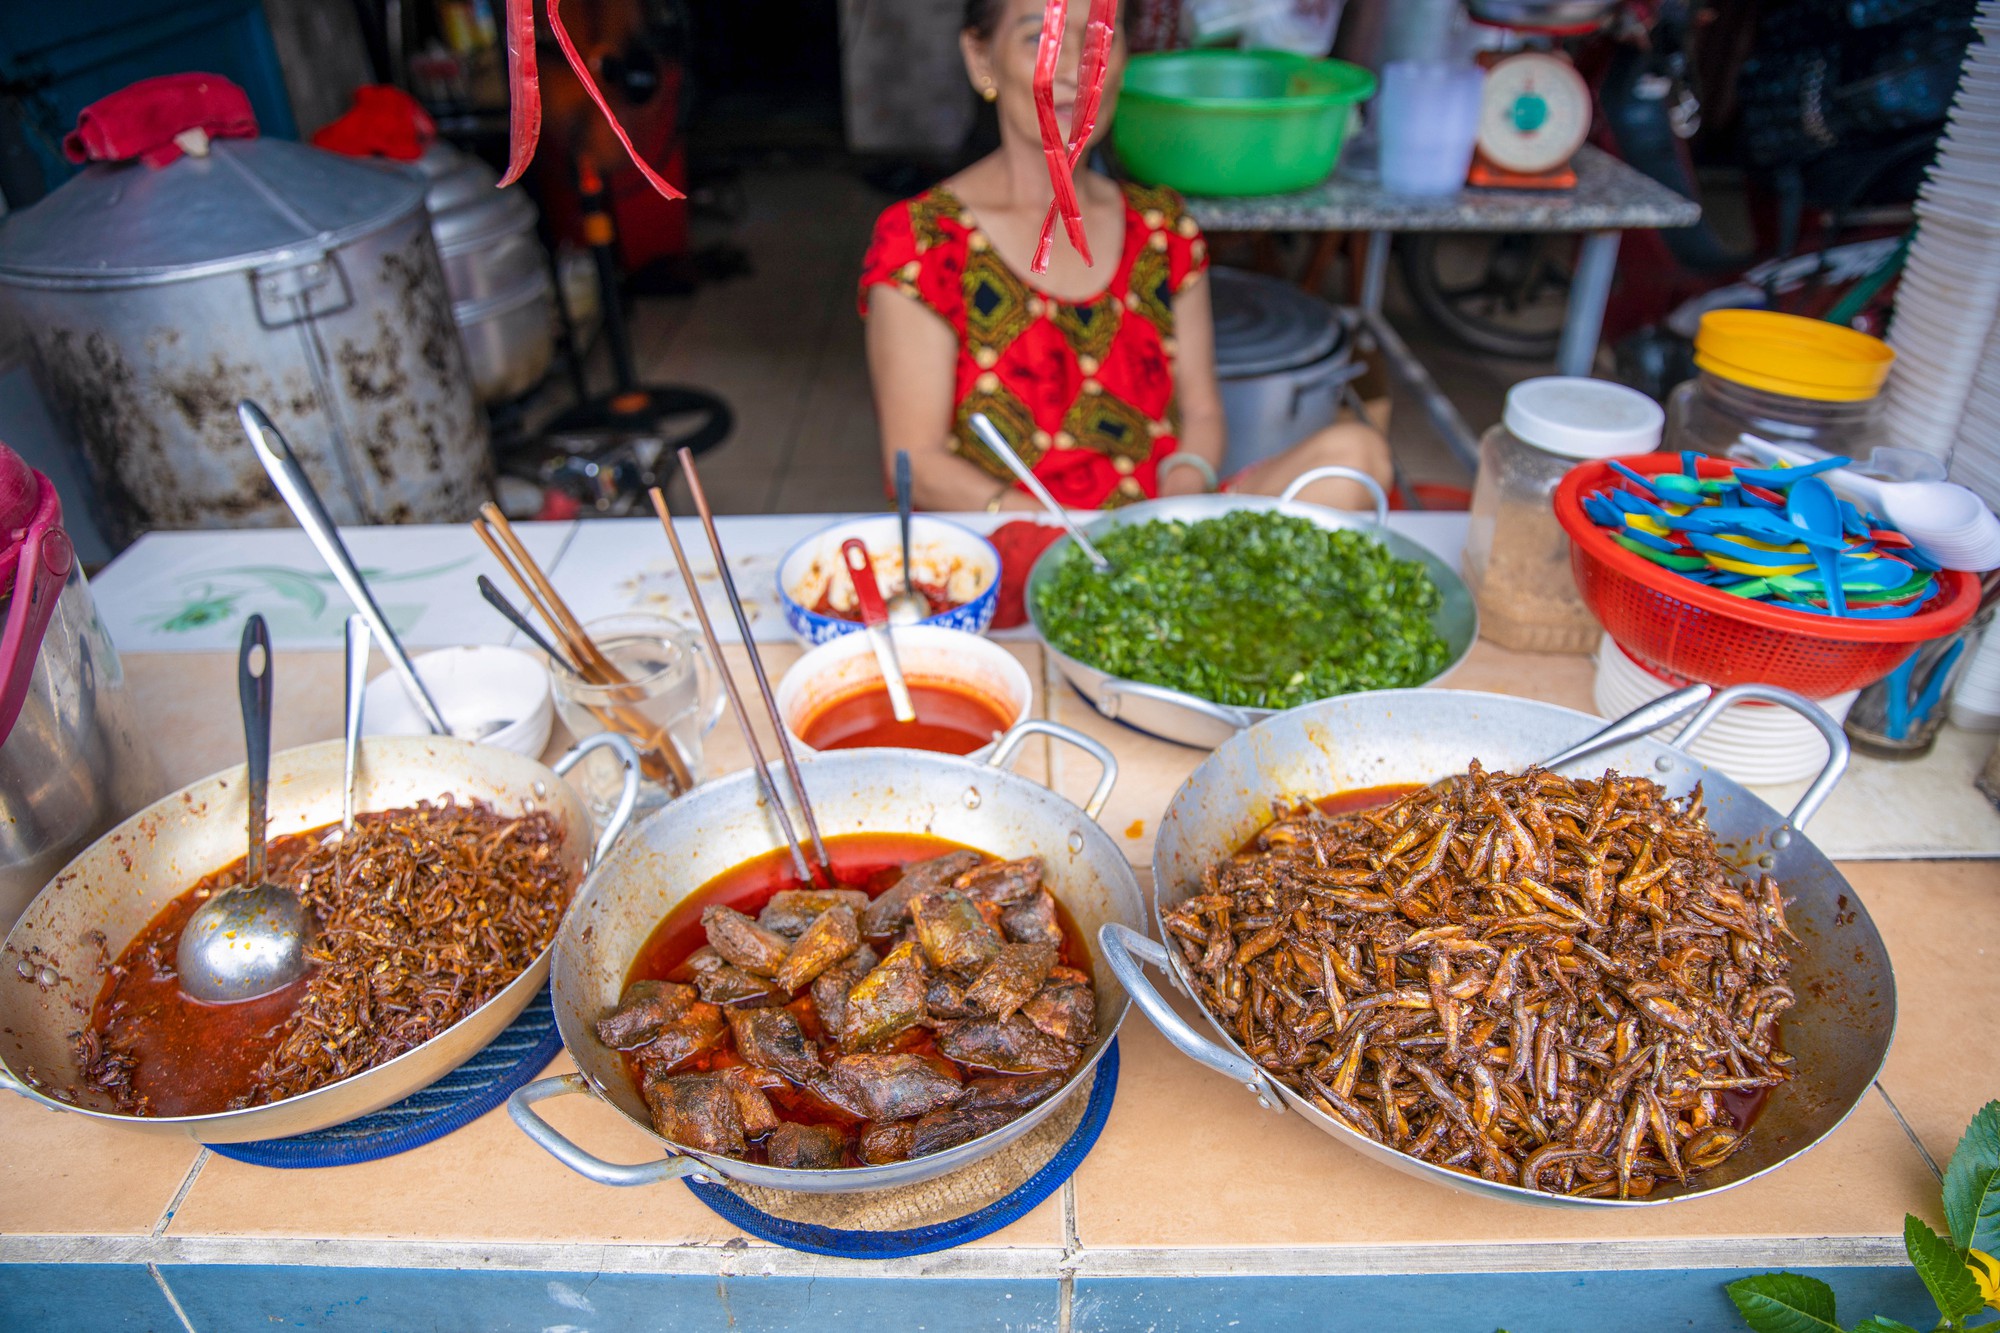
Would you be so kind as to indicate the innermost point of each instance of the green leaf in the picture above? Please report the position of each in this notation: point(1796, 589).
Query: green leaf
point(1972, 1184)
point(1942, 1269)
point(1785, 1303)
point(1879, 1324)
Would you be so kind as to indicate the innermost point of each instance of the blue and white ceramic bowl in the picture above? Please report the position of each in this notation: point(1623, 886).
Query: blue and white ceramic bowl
point(942, 551)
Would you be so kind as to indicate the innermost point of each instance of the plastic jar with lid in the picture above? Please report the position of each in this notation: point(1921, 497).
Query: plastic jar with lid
point(1784, 378)
point(1517, 559)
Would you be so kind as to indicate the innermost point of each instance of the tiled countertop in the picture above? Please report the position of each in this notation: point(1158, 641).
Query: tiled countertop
point(1609, 196)
point(1189, 1178)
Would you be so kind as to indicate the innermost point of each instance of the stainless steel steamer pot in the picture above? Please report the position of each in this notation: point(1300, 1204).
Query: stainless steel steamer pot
point(152, 301)
point(1839, 1034)
point(724, 823)
point(1188, 718)
point(49, 977)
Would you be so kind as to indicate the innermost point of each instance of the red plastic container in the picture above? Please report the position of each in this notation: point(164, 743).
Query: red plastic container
point(1681, 628)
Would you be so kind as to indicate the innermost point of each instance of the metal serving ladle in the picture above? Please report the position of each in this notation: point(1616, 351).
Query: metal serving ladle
point(908, 606)
point(990, 436)
point(250, 940)
point(304, 502)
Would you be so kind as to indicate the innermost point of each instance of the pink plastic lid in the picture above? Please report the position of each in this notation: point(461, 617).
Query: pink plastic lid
point(35, 554)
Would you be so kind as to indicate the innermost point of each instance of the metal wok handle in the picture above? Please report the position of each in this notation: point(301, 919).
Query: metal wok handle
point(1641, 721)
point(1837, 748)
point(628, 797)
point(1368, 483)
point(1126, 950)
point(1003, 755)
point(588, 1165)
point(1112, 693)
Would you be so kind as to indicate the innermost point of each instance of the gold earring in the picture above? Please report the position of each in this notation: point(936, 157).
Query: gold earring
point(990, 93)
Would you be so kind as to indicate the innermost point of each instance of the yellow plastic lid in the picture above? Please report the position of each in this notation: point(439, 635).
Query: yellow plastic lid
point(1792, 355)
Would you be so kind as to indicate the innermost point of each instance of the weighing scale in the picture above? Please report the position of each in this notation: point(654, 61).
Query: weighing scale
point(1534, 114)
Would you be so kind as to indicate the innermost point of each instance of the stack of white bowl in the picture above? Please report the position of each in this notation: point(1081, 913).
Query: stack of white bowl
point(1975, 700)
point(1975, 463)
point(1754, 743)
point(1950, 288)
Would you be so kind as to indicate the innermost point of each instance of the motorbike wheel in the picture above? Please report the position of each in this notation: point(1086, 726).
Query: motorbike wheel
point(1504, 293)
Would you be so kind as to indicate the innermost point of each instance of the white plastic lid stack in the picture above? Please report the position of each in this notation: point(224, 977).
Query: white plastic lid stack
point(1949, 291)
point(1583, 418)
point(1754, 743)
point(1975, 700)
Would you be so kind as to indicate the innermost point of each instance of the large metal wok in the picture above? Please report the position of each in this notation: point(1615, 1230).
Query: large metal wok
point(1838, 1035)
point(49, 966)
point(724, 823)
point(1188, 718)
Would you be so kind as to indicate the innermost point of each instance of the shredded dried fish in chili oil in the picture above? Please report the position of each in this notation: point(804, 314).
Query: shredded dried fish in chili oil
point(421, 915)
point(1547, 982)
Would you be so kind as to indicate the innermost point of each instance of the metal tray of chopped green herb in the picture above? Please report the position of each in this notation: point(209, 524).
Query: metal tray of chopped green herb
point(1221, 610)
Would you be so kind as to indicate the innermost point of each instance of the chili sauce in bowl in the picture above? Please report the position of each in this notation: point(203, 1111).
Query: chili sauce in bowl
point(967, 692)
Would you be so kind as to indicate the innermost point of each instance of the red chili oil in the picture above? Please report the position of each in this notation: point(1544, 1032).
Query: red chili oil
point(1356, 799)
point(1744, 1105)
point(872, 862)
point(950, 720)
point(193, 1058)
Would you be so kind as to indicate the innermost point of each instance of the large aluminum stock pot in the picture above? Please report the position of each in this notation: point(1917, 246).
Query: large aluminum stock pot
point(1176, 715)
point(1838, 1035)
point(49, 966)
point(724, 823)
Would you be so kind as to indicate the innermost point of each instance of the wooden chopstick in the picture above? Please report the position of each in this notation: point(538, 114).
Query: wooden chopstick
point(555, 609)
point(660, 758)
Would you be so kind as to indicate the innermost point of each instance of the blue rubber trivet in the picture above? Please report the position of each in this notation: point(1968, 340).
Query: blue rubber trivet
point(521, 1051)
point(939, 1235)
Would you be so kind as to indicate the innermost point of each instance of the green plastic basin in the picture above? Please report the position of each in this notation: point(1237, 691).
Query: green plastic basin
point(1236, 122)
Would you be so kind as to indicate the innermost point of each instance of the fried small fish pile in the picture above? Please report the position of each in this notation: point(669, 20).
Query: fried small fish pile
point(1545, 982)
point(796, 1014)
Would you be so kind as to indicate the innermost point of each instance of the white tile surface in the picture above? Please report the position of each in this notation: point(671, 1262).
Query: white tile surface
point(189, 591)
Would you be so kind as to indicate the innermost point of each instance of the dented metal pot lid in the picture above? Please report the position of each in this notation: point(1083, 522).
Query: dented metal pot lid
point(248, 202)
point(468, 211)
point(1264, 325)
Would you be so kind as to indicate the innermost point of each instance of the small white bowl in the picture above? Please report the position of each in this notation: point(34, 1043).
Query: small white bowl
point(926, 653)
point(474, 687)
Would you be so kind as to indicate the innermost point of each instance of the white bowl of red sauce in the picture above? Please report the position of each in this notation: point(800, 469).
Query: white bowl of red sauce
point(957, 571)
point(967, 691)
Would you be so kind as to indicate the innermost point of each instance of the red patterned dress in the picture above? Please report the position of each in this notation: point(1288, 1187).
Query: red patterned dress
point(1083, 389)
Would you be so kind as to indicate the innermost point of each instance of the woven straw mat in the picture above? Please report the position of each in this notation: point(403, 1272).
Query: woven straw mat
point(928, 1203)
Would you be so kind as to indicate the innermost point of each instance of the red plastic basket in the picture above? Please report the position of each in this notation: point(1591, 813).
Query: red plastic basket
point(1681, 628)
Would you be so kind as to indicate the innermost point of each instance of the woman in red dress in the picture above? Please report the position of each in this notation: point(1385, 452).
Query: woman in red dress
point(1101, 375)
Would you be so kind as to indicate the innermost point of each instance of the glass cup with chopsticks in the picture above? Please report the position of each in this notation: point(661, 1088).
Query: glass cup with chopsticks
point(670, 697)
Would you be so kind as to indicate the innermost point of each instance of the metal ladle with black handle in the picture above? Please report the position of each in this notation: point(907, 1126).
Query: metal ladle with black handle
point(249, 940)
point(908, 606)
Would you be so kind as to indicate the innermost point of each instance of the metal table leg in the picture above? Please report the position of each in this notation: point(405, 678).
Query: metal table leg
point(1402, 363)
point(1375, 272)
point(1589, 289)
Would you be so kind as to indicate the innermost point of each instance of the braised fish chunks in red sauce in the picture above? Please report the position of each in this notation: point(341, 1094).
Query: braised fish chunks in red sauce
point(1543, 981)
point(936, 995)
point(420, 916)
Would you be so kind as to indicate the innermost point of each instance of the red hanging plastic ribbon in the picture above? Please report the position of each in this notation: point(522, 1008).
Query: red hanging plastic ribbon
point(1048, 54)
point(1083, 122)
point(525, 94)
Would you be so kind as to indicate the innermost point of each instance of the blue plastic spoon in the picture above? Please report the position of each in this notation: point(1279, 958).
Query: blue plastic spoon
point(1812, 505)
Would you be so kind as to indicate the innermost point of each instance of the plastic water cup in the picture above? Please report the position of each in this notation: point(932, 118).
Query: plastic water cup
point(1427, 118)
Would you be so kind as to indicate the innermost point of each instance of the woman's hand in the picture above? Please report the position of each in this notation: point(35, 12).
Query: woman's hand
point(1182, 481)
